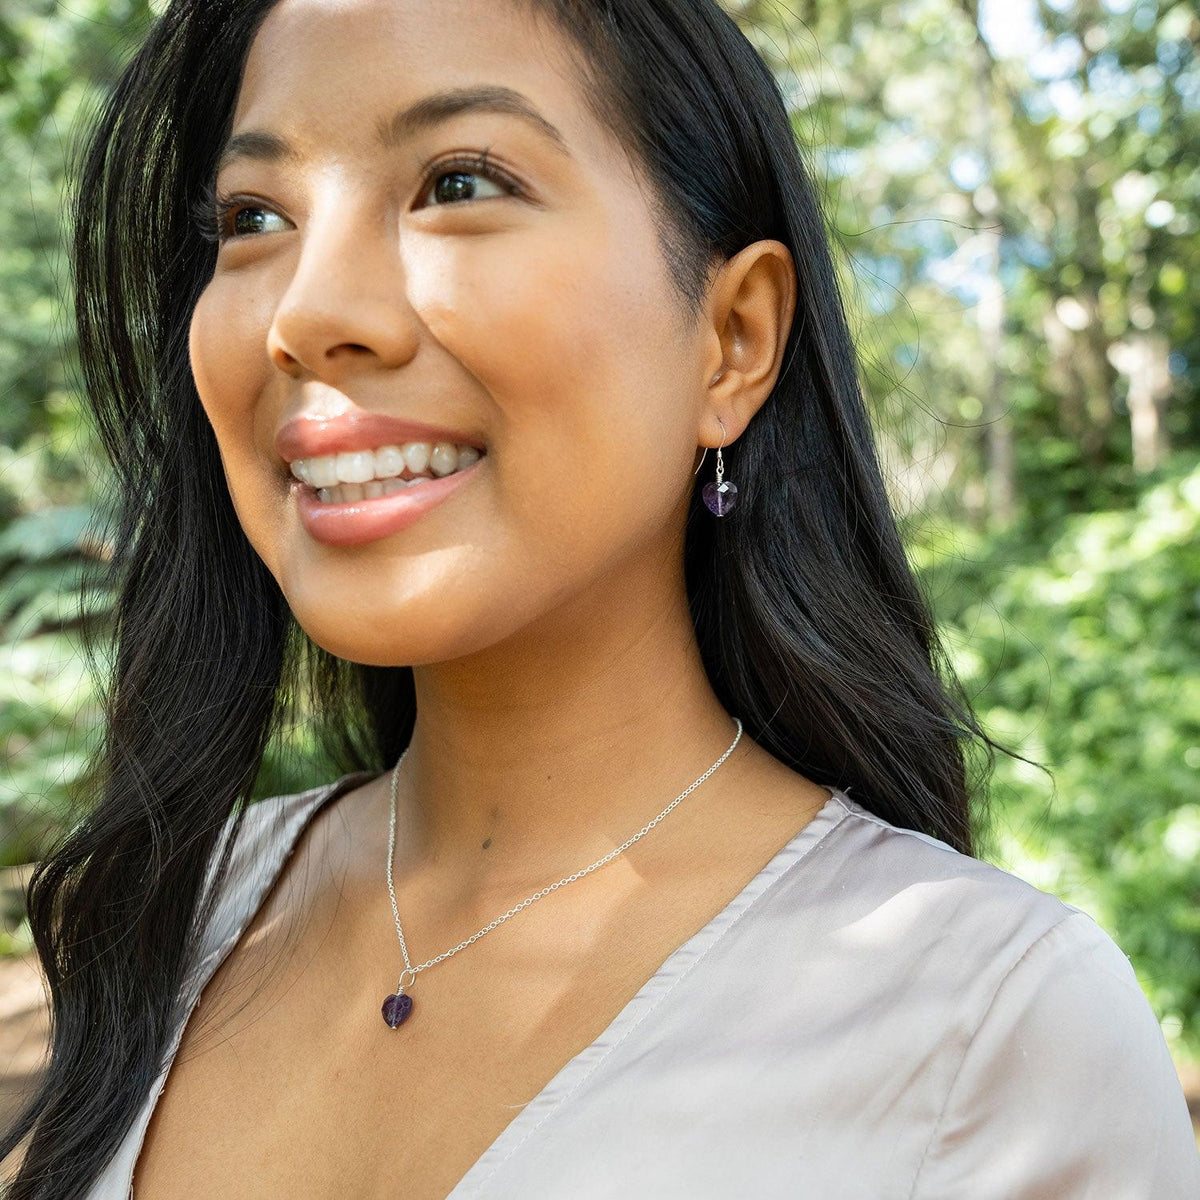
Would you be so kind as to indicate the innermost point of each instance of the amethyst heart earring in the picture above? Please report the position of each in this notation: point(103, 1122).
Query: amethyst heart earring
point(721, 496)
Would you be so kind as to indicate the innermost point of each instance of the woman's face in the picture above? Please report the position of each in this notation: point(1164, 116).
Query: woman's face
point(530, 313)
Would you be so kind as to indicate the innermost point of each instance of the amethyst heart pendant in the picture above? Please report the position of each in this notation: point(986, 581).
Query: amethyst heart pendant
point(396, 1009)
point(719, 498)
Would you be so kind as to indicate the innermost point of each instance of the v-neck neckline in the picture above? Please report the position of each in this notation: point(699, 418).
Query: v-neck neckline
point(580, 1067)
point(670, 973)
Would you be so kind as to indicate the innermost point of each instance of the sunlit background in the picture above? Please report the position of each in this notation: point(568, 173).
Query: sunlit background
point(1013, 190)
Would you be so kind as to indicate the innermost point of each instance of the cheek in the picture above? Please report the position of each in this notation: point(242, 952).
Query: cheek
point(229, 367)
point(226, 343)
point(582, 354)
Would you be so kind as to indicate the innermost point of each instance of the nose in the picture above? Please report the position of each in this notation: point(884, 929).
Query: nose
point(345, 305)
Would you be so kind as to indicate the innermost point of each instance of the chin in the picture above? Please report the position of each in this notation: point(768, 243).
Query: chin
point(381, 628)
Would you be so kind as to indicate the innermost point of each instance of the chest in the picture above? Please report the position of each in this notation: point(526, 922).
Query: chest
point(347, 1110)
point(288, 1083)
point(297, 1088)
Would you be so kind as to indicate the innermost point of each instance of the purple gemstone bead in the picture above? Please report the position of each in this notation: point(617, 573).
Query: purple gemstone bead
point(396, 1009)
point(719, 498)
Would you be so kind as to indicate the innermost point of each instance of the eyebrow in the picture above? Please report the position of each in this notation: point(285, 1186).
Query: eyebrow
point(423, 114)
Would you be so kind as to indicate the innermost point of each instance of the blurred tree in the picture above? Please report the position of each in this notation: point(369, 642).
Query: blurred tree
point(1047, 149)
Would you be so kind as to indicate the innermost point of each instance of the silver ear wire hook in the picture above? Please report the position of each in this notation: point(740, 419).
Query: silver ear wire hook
point(721, 447)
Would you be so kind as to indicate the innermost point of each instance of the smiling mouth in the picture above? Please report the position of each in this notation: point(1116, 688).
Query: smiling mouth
point(354, 476)
point(337, 517)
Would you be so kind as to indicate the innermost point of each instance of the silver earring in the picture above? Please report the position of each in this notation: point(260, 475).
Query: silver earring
point(721, 496)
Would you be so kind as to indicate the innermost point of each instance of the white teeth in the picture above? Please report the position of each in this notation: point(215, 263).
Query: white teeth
point(416, 454)
point(318, 472)
point(444, 459)
point(388, 462)
point(357, 468)
point(346, 492)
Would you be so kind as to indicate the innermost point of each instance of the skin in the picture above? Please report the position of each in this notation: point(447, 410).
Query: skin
point(562, 700)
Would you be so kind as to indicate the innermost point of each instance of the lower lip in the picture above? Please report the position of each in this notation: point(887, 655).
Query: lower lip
point(359, 521)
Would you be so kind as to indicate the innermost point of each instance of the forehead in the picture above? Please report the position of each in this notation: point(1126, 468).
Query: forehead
point(347, 70)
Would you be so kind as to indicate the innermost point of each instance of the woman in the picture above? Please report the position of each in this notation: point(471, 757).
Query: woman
point(669, 790)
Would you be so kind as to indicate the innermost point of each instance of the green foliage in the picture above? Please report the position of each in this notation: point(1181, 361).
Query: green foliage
point(49, 721)
point(1084, 658)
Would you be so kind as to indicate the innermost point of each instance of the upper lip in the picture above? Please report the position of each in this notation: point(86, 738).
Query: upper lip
point(312, 436)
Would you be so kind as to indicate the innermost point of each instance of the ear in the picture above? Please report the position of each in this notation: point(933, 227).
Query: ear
point(748, 316)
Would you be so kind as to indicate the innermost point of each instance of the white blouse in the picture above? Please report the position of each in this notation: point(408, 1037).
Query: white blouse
point(875, 1016)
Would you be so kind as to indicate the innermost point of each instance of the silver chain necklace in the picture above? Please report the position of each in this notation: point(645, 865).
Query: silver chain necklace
point(398, 1007)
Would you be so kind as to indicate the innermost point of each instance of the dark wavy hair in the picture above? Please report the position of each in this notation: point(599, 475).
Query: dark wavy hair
point(811, 624)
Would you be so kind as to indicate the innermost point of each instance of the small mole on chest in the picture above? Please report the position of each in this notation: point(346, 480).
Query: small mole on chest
point(494, 813)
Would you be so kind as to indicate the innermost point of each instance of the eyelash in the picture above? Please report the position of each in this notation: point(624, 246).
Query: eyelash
point(211, 211)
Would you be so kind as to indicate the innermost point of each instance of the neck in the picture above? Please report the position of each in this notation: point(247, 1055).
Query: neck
point(547, 752)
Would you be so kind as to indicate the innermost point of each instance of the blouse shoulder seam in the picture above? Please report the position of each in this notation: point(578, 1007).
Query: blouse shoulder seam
point(1066, 909)
point(865, 814)
point(937, 1124)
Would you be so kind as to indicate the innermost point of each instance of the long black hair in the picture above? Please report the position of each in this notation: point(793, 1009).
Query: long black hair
point(812, 626)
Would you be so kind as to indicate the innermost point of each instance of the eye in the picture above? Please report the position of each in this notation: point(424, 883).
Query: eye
point(220, 218)
point(460, 170)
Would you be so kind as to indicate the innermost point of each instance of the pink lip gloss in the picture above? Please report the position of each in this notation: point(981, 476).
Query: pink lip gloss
point(359, 521)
